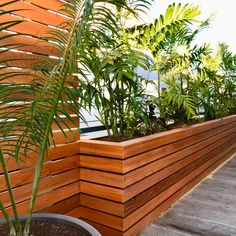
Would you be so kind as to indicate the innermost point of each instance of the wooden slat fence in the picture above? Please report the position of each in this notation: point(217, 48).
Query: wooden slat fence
point(39, 17)
point(60, 181)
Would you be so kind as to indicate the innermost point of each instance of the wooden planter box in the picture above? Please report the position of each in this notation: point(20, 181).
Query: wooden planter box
point(120, 188)
point(125, 186)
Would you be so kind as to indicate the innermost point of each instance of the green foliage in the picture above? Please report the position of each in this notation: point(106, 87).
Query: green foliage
point(114, 87)
point(157, 35)
point(193, 74)
point(118, 95)
point(216, 83)
point(198, 81)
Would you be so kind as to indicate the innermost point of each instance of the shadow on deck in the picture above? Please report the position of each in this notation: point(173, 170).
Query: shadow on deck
point(209, 210)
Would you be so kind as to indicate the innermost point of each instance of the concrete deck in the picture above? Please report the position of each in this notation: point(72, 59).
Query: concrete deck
point(209, 210)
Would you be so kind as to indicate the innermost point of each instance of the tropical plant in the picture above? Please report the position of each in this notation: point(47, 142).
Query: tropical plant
point(169, 39)
point(198, 80)
point(228, 70)
point(115, 89)
point(216, 83)
point(26, 127)
point(118, 95)
point(165, 31)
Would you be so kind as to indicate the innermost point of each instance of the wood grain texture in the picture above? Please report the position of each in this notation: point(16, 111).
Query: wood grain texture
point(158, 188)
point(54, 5)
point(64, 206)
point(30, 44)
point(209, 209)
point(48, 199)
point(141, 173)
point(143, 144)
point(27, 27)
point(104, 230)
point(34, 13)
point(33, 45)
point(146, 176)
point(103, 205)
point(102, 148)
point(60, 181)
point(163, 196)
point(181, 147)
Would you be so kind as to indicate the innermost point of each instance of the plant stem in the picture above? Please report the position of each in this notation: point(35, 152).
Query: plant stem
point(9, 188)
point(8, 220)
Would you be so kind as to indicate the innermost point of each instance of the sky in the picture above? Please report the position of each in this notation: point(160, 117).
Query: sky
point(223, 26)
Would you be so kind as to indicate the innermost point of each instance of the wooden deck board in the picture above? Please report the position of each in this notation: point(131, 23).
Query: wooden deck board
point(209, 210)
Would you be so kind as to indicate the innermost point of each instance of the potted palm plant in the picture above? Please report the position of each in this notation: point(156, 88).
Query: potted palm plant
point(28, 127)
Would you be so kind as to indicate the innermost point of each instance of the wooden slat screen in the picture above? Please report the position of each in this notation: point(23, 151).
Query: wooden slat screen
point(39, 18)
point(59, 183)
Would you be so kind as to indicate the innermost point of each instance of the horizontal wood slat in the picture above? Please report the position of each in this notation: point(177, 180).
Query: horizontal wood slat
point(23, 75)
point(34, 13)
point(137, 215)
point(113, 165)
point(23, 192)
point(119, 181)
point(142, 144)
point(54, 5)
point(183, 146)
point(74, 123)
point(148, 194)
point(104, 230)
point(27, 27)
point(32, 47)
point(61, 151)
point(59, 189)
point(48, 199)
point(19, 76)
point(29, 44)
point(60, 180)
point(64, 206)
point(22, 60)
point(175, 197)
point(139, 145)
point(104, 205)
point(24, 176)
point(98, 148)
point(113, 198)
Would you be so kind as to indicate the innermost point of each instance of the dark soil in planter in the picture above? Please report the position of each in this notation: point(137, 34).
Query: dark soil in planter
point(115, 139)
point(169, 127)
point(48, 228)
